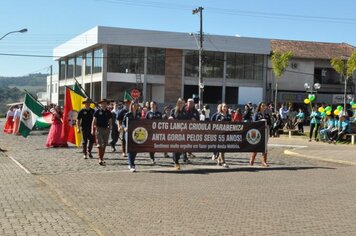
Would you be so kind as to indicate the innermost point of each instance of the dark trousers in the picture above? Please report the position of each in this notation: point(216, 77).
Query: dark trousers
point(123, 143)
point(114, 136)
point(87, 138)
point(312, 127)
point(176, 157)
point(131, 158)
point(300, 127)
point(152, 156)
point(337, 135)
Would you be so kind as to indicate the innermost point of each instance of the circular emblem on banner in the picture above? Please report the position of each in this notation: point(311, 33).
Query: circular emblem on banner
point(26, 115)
point(253, 136)
point(139, 135)
point(72, 118)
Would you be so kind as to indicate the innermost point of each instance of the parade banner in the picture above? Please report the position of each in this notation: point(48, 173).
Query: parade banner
point(194, 136)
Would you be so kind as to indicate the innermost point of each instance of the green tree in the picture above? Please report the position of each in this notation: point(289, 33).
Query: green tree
point(344, 69)
point(280, 62)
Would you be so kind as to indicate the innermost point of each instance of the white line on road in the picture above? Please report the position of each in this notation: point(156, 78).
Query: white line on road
point(18, 163)
point(286, 145)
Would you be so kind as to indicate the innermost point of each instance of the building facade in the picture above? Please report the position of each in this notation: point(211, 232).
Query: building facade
point(311, 64)
point(108, 61)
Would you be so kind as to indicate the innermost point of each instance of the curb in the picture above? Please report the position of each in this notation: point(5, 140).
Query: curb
point(290, 153)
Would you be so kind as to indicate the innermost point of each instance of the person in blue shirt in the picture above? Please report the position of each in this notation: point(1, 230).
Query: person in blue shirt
point(326, 131)
point(300, 120)
point(315, 117)
point(343, 129)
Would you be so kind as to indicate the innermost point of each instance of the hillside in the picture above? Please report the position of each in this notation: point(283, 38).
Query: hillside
point(12, 88)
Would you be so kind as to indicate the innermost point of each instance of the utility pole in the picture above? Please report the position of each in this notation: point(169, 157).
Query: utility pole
point(50, 84)
point(200, 85)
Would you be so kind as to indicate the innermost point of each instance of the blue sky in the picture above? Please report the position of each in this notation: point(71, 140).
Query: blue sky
point(51, 23)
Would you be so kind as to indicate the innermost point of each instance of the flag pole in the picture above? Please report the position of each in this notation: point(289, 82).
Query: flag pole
point(81, 88)
point(34, 98)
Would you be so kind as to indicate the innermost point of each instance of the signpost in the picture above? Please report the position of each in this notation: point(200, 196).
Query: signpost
point(135, 93)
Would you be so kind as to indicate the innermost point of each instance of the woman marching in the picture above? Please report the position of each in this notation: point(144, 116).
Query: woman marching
point(178, 113)
point(9, 124)
point(153, 114)
point(261, 115)
point(132, 114)
point(223, 116)
point(54, 138)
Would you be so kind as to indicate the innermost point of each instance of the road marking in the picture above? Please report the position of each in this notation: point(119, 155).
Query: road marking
point(19, 164)
point(286, 145)
point(290, 153)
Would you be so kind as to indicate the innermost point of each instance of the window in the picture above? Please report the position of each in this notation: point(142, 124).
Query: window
point(191, 67)
point(98, 60)
point(125, 59)
point(62, 70)
point(156, 61)
point(244, 66)
point(213, 65)
point(88, 60)
point(70, 68)
point(78, 66)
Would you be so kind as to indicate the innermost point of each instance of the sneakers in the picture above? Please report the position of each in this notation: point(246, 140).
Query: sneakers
point(225, 165)
point(153, 162)
point(90, 155)
point(124, 155)
point(187, 161)
point(166, 155)
point(177, 166)
point(214, 157)
point(113, 149)
point(133, 169)
point(85, 156)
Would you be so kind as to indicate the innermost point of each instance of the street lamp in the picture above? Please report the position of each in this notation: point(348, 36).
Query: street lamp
point(312, 90)
point(17, 31)
point(199, 11)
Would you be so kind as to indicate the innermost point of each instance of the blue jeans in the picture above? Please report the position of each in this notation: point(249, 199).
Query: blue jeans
point(325, 134)
point(131, 158)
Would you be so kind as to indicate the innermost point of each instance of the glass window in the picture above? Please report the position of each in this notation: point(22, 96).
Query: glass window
point(244, 66)
point(156, 61)
point(232, 94)
point(70, 68)
point(62, 70)
point(125, 59)
point(258, 68)
point(98, 60)
point(88, 60)
point(78, 66)
point(191, 67)
point(213, 64)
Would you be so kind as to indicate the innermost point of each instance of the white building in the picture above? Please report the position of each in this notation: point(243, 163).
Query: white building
point(164, 65)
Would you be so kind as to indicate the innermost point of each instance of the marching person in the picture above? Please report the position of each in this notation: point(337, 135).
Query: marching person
point(192, 114)
point(17, 116)
point(54, 138)
point(178, 113)
point(165, 116)
point(115, 129)
point(132, 114)
point(120, 117)
point(153, 114)
point(9, 124)
point(84, 122)
point(102, 123)
point(261, 115)
point(223, 116)
point(213, 118)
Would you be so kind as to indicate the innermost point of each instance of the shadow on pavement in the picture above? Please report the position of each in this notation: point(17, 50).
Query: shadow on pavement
point(204, 171)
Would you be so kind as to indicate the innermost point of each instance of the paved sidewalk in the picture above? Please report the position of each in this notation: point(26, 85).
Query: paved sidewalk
point(300, 147)
point(28, 208)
